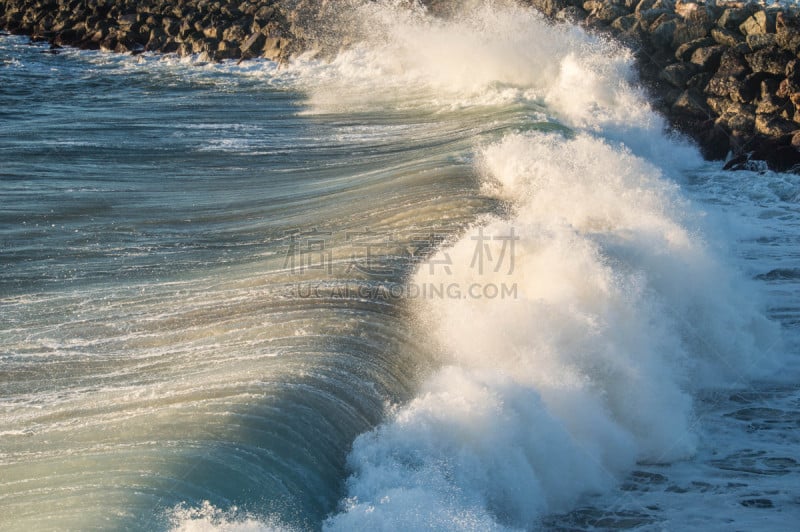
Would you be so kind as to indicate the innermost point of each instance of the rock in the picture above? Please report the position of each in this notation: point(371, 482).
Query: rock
point(687, 32)
point(730, 87)
point(571, 14)
point(699, 81)
point(714, 143)
point(171, 26)
point(792, 70)
point(718, 104)
point(732, 63)
point(127, 21)
point(235, 33)
point(678, 74)
point(786, 88)
point(761, 40)
point(772, 60)
point(548, 7)
point(227, 50)
point(772, 125)
point(253, 46)
point(649, 10)
point(708, 58)
point(787, 32)
point(769, 102)
point(663, 29)
point(691, 104)
point(605, 11)
point(795, 142)
point(625, 23)
point(779, 155)
point(274, 48)
point(732, 18)
point(726, 37)
point(213, 32)
point(759, 23)
point(685, 51)
point(738, 118)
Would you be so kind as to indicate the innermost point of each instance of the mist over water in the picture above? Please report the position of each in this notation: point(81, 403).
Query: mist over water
point(594, 299)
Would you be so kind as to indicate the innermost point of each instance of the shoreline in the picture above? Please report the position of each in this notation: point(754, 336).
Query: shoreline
point(724, 73)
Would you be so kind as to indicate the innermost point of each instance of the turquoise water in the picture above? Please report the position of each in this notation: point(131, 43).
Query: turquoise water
point(150, 327)
point(247, 296)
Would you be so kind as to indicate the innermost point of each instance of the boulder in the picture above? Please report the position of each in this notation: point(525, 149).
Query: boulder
point(707, 58)
point(253, 46)
point(787, 32)
point(771, 59)
point(733, 17)
point(678, 74)
point(726, 37)
point(691, 104)
point(773, 125)
point(274, 48)
point(761, 22)
point(758, 41)
point(685, 51)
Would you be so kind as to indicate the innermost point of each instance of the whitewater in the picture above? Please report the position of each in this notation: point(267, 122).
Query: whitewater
point(457, 275)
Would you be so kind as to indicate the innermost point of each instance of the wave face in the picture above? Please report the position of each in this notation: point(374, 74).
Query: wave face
point(620, 309)
point(560, 304)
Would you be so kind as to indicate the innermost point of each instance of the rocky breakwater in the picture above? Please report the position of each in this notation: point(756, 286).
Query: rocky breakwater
point(219, 29)
point(725, 73)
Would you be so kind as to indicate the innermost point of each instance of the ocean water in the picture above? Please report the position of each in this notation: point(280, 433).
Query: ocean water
point(456, 277)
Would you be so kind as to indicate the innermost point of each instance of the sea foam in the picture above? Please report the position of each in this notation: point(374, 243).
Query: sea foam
point(621, 309)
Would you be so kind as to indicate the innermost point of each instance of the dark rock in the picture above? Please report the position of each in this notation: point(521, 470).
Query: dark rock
point(774, 126)
point(274, 48)
point(733, 63)
point(732, 18)
point(786, 88)
point(787, 32)
point(718, 104)
point(795, 142)
point(662, 31)
point(740, 162)
point(761, 40)
point(769, 102)
point(571, 14)
point(625, 23)
point(687, 32)
point(699, 81)
point(227, 50)
point(792, 70)
point(737, 90)
point(738, 118)
point(685, 51)
point(649, 10)
point(678, 75)
point(548, 7)
point(708, 58)
point(604, 11)
point(726, 37)
point(759, 23)
point(772, 60)
point(254, 45)
point(714, 143)
point(691, 104)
